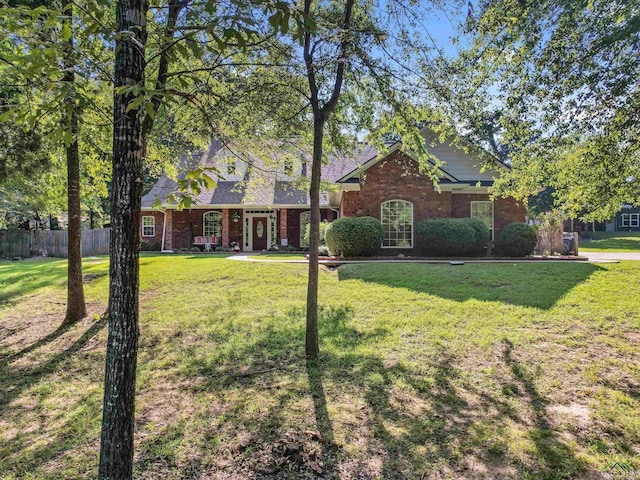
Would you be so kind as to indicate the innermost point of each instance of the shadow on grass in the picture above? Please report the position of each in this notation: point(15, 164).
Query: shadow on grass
point(35, 345)
point(14, 381)
point(52, 433)
point(537, 285)
point(555, 459)
point(416, 420)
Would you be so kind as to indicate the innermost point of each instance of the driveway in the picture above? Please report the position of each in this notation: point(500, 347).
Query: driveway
point(597, 256)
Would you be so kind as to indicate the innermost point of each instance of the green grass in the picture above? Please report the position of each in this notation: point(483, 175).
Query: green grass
point(427, 371)
point(614, 242)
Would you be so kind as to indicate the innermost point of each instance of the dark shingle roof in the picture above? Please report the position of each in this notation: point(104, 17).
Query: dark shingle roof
point(260, 182)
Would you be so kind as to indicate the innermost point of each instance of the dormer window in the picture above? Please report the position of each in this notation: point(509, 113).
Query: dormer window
point(288, 167)
point(231, 167)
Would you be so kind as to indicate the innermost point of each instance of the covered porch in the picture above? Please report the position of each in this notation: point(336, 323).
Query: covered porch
point(241, 229)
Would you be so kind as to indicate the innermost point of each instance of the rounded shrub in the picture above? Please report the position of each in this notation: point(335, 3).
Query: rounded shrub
point(517, 240)
point(441, 237)
point(483, 234)
point(354, 236)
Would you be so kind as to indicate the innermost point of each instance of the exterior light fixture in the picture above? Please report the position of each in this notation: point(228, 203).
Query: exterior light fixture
point(235, 217)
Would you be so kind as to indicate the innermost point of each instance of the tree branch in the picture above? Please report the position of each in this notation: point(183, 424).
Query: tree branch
point(161, 80)
point(345, 43)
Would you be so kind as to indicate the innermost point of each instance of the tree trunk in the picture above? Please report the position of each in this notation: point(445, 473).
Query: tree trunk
point(76, 308)
point(116, 447)
point(320, 116)
point(311, 342)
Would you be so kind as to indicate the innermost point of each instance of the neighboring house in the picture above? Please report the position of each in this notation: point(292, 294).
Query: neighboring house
point(258, 205)
point(627, 220)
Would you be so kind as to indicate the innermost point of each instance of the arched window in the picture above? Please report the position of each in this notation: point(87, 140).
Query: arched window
point(397, 224)
point(212, 224)
point(305, 219)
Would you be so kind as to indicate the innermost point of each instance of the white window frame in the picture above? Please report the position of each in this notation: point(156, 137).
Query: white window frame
point(493, 214)
point(152, 226)
point(215, 214)
point(634, 220)
point(624, 219)
point(302, 231)
point(384, 228)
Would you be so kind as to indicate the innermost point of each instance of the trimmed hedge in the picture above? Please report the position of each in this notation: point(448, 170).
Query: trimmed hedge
point(452, 237)
point(483, 234)
point(517, 240)
point(354, 236)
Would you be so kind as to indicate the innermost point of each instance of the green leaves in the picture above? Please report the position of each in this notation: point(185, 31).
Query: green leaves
point(558, 82)
point(65, 33)
point(192, 184)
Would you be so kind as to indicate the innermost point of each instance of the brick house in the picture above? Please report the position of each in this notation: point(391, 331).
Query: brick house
point(258, 204)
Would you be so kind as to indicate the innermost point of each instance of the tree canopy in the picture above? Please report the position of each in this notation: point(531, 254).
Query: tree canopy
point(555, 87)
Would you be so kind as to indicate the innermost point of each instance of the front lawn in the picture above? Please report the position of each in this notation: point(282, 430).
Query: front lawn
point(514, 370)
point(614, 242)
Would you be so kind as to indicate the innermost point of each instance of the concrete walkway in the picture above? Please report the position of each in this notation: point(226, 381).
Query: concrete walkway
point(603, 256)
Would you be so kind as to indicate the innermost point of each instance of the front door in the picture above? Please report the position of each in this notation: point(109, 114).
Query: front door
point(260, 233)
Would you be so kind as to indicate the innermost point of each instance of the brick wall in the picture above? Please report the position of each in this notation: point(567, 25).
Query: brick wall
point(235, 228)
point(293, 225)
point(398, 178)
point(507, 210)
point(159, 221)
point(282, 226)
point(168, 234)
point(184, 223)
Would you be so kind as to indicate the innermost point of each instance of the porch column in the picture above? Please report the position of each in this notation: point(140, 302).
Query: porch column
point(225, 227)
point(168, 233)
point(283, 224)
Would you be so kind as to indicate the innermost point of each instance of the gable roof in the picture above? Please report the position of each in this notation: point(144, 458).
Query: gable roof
point(459, 166)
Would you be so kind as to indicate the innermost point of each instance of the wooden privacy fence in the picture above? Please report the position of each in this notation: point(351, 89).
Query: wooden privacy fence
point(55, 243)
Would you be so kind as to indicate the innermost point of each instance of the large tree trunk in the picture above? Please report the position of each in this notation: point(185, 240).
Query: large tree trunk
point(311, 342)
point(116, 448)
point(76, 308)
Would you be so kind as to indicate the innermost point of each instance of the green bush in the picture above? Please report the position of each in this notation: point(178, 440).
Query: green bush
point(452, 237)
point(324, 226)
point(517, 240)
point(483, 234)
point(354, 236)
point(195, 249)
point(149, 246)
